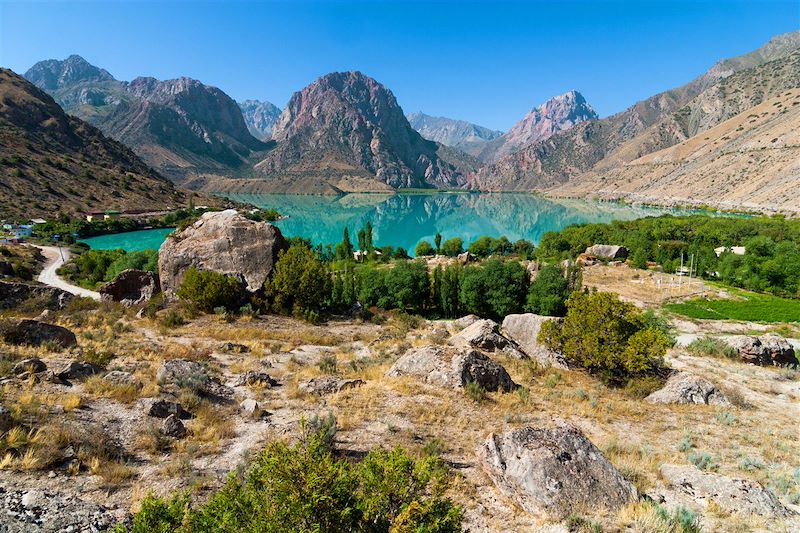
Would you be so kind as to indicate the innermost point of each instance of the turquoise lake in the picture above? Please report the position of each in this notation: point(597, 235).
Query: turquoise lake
point(402, 220)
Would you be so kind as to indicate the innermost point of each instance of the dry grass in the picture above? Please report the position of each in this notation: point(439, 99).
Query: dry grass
point(98, 387)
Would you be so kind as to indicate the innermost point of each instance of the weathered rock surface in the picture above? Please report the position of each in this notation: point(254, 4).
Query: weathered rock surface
point(607, 251)
point(35, 333)
point(465, 321)
point(234, 347)
point(191, 375)
point(523, 329)
point(765, 350)
point(160, 408)
point(553, 472)
point(452, 367)
point(173, 427)
point(224, 242)
point(33, 365)
point(250, 407)
point(78, 370)
point(328, 385)
point(130, 287)
point(685, 388)
point(14, 293)
point(38, 511)
point(251, 377)
point(120, 377)
point(697, 489)
point(483, 334)
point(5, 419)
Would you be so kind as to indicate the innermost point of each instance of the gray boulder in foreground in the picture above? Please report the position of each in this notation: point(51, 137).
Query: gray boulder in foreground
point(554, 472)
point(685, 388)
point(687, 485)
point(224, 242)
point(484, 335)
point(523, 329)
point(452, 367)
point(36, 333)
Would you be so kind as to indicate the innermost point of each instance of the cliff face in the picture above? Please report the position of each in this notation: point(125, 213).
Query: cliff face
point(260, 117)
point(345, 124)
point(460, 134)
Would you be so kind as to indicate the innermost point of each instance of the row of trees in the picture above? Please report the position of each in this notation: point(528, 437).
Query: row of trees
point(771, 262)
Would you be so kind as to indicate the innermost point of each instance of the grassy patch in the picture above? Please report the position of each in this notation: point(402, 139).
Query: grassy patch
point(746, 306)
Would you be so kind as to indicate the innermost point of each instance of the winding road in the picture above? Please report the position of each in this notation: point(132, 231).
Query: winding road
point(54, 258)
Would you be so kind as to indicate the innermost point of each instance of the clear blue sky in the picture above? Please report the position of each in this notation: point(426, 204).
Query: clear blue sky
point(487, 62)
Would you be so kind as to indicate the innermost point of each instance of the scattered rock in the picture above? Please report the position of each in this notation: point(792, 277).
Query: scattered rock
point(524, 329)
point(453, 367)
point(35, 333)
point(554, 472)
point(43, 511)
point(120, 377)
point(483, 334)
point(250, 407)
point(158, 408)
point(465, 258)
point(5, 419)
point(607, 251)
point(251, 377)
point(694, 488)
point(224, 242)
point(683, 388)
point(32, 365)
point(465, 321)
point(130, 287)
point(173, 427)
point(78, 370)
point(13, 294)
point(327, 385)
point(234, 347)
point(765, 350)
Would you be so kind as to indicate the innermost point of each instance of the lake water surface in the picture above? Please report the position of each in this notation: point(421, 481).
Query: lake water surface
point(402, 220)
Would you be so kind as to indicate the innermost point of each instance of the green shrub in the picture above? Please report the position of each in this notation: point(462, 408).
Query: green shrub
point(549, 291)
point(494, 290)
point(710, 346)
point(300, 282)
point(607, 337)
point(452, 247)
point(208, 290)
point(424, 248)
point(474, 391)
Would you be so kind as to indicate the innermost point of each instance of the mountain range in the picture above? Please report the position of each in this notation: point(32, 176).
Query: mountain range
point(346, 132)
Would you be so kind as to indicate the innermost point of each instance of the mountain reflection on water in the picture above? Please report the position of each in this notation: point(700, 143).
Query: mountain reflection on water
point(402, 220)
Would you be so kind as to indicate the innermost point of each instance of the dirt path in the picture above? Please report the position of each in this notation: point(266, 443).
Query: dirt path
point(54, 258)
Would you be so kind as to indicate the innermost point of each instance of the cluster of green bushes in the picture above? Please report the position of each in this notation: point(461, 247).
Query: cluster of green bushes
point(306, 487)
point(771, 262)
point(482, 247)
point(93, 267)
point(611, 339)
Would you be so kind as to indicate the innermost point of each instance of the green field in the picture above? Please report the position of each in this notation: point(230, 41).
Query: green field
point(746, 306)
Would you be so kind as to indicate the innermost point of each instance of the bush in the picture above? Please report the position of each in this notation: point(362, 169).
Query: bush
point(300, 282)
point(423, 248)
point(494, 290)
point(453, 247)
point(710, 346)
point(607, 337)
point(549, 291)
point(306, 488)
point(208, 290)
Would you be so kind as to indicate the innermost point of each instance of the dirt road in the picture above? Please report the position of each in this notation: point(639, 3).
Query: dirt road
point(54, 258)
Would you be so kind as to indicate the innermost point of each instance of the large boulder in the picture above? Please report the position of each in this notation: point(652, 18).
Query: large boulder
point(524, 330)
point(607, 251)
point(765, 350)
point(34, 365)
point(484, 335)
point(552, 473)
point(130, 287)
point(691, 487)
point(224, 242)
point(14, 293)
point(452, 367)
point(78, 370)
point(35, 333)
point(685, 388)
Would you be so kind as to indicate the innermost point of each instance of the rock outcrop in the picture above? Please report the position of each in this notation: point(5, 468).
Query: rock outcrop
point(765, 350)
point(260, 117)
point(35, 333)
point(685, 388)
point(78, 370)
point(328, 385)
point(224, 242)
point(483, 335)
point(14, 293)
point(523, 329)
point(552, 473)
point(452, 367)
point(130, 287)
point(687, 485)
point(607, 252)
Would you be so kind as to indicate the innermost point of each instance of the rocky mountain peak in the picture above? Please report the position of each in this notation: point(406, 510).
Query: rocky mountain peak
point(53, 74)
point(260, 117)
